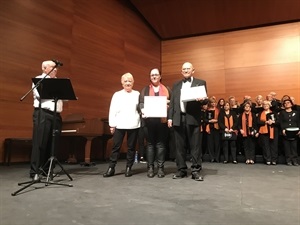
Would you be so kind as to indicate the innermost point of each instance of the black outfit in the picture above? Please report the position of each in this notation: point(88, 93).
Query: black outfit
point(268, 144)
point(203, 134)
point(42, 139)
point(248, 138)
point(118, 138)
point(186, 130)
point(226, 143)
point(156, 131)
point(275, 105)
point(289, 120)
point(213, 137)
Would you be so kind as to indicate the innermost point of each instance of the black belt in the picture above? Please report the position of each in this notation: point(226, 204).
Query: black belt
point(183, 114)
point(47, 111)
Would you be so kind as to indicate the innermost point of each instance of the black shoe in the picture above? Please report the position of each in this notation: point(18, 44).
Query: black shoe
point(197, 177)
point(160, 173)
point(34, 176)
point(180, 174)
point(150, 172)
point(128, 172)
point(110, 172)
point(142, 160)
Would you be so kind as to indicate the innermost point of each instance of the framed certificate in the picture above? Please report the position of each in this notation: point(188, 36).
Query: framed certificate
point(190, 94)
point(155, 106)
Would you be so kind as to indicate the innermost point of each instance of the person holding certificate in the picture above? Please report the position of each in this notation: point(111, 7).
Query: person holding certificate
point(156, 128)
point(185, 117)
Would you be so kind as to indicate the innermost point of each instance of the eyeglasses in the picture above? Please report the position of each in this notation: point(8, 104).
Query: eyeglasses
point(155, 75)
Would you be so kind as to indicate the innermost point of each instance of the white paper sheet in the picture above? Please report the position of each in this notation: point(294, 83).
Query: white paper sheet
point(155, 106)
point(190, 94)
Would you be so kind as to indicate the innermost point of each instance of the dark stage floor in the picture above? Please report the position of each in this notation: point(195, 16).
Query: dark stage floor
point(230, 195)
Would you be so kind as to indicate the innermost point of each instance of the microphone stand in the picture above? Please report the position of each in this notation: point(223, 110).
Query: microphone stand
point(37, 177)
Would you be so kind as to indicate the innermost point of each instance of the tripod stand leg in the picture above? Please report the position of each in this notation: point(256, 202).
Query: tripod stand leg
point(50, 171)
point(61, 167)
point(35, 180)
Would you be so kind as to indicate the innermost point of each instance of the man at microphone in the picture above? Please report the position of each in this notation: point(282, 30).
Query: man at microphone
point(43, 115)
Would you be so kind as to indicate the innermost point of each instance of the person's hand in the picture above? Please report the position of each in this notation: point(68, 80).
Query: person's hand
point(201, 99)
point(213, 121)
point(112, 130)
point(170, 123)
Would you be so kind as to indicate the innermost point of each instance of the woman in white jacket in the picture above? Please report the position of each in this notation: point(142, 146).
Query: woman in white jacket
point(124, 118)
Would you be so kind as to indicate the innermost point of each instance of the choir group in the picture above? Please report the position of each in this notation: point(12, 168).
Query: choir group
point(268, 125)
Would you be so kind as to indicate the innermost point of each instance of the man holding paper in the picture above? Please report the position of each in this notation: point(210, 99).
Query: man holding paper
point(153, 103)
point(184, 116)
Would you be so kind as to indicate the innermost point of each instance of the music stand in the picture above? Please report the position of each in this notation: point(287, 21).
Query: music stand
point(56, 89)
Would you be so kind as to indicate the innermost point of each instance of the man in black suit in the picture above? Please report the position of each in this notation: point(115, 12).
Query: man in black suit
point(184, 117)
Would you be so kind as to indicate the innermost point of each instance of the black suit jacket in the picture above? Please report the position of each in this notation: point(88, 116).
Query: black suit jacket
point(193, 108)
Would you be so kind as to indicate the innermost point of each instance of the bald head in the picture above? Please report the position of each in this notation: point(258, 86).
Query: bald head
point(187, 69)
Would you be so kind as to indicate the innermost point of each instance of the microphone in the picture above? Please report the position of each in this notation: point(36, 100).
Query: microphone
point(58, 63)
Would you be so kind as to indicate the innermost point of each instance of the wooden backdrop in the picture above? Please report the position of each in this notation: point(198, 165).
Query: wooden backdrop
point(97, 41)
point(247, 62)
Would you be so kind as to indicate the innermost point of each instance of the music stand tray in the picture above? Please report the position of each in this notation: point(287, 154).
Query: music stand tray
point(55, 88)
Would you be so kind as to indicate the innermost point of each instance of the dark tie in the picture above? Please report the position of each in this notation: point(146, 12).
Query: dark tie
point(187, 79)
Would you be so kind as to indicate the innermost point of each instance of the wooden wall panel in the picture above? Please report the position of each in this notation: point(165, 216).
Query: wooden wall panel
point(248, 62)
point(97, 41)
point(175, 19)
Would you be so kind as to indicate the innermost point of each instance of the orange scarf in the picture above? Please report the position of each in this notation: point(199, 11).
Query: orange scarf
point(216, 125)
point(162, 91)
point(228, 122)
point(266, 129)
point(244, 125)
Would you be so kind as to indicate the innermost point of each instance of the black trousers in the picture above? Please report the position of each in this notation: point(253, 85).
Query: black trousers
point(232, 145)
point(118, 138)
point(213, 144)
point(290, 150)
point(141, 141)
point(188, 134)
point(249, 147)
point(42, 138)
point(157, 134)
point(270, 152)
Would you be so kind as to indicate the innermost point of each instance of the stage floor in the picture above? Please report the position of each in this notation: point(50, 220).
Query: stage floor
point(229, 195)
